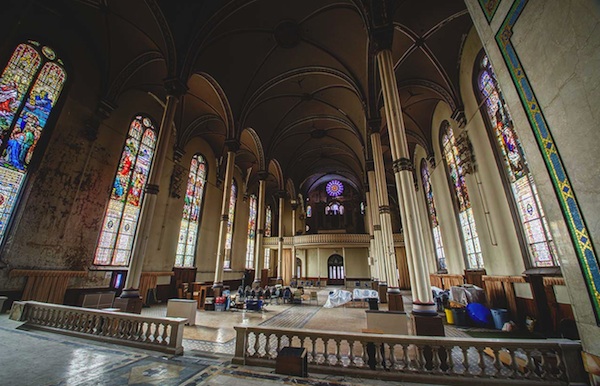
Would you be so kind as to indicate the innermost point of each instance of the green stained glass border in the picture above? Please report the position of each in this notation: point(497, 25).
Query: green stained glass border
point(586, 254)
point(489, 8)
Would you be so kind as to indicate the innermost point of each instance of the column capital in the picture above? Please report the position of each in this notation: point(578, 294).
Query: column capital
point(282, 194)
point(294, 206)
point(92, 124)
point(175, 87)
point(384, 209)
point(232, 145)
point(151, 189)
point(262, 175)
point(431, 160)
point(370, 165)
point(459, 116)
point(402, 164)
point(178, 153)
point(374, 124)
point(381, 38)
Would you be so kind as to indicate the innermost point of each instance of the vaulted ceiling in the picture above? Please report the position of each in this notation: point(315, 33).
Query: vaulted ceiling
point(295, 81)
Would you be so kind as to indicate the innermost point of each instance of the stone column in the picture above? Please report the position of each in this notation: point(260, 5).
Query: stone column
point(259, 252)
point(281, 195)
point(174, 90)
point(388, 262)
point(294, 204)
point(232, 147)
point(411, 222)
point(373, 210)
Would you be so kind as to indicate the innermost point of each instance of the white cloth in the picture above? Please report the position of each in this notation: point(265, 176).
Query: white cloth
point(338, 298)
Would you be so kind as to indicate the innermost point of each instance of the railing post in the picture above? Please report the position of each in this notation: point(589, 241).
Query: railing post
point(571, 355)
point(176, 339)
point(240, 345)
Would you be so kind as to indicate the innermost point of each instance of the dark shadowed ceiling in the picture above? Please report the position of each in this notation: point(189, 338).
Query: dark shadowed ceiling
point(299, 73)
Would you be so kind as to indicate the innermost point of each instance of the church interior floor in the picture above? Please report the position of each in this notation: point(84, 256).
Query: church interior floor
point(42, 358)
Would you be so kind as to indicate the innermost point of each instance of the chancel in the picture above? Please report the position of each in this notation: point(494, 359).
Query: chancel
point(285, 157)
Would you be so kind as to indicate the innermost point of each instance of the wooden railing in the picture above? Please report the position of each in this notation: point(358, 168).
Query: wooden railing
point(418, 359)
point(160, 334)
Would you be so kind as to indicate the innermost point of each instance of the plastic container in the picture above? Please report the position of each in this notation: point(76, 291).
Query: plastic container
point(220, 300)
point(460, 316)
point(219, 306)
point(479, 314)
point(500, 316)
point(449, 315)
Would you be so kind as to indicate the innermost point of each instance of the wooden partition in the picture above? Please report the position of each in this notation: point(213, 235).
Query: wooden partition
point(445, 281)
point(475, 276)
point(558, 311)
point(500, 292)
point(148, 281)
point(46, 286)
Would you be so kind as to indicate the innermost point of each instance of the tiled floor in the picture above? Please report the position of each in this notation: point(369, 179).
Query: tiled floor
point(39, 358)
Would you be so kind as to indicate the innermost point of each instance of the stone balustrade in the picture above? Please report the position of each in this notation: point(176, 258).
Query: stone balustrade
point(329, 239)
point(159, 334)
point(417, 358)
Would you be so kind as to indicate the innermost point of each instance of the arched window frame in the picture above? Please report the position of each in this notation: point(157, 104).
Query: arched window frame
point(31, 85)
point(192, 212)
point(252, 215)
point(465, 219)
point(127, 194)
point(230, 222)
point(516, 177)
point(433, 218)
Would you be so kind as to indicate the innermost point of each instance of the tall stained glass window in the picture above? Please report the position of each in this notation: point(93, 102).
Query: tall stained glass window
point(251, 232)
point(461, 194)
point(537, 232)
point(188, 232)
point(229, 237)
point(123, 212)
point(30, 85)
point(433, 219)
point(268, 221)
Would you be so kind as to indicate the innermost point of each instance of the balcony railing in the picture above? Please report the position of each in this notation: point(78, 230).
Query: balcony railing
point(354, 239)
point(160, 334)
point(418, 358)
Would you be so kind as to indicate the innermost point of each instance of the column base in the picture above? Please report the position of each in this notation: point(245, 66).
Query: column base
point(396, 303)
point(129, 301)
point(383, 289)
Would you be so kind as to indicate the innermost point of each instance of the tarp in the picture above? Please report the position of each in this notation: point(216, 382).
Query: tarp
point(467, 294)
point(338, 298)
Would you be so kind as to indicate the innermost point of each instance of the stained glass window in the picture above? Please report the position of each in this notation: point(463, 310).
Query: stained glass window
point(433, 219)
point(334, 188)
point(188, 232)
point(30, 85)
point(537, 232)
point(461, 194)
point(268, 221)
point(309, 211)
point(121, 219)
point(230, 218)
point(251, 232)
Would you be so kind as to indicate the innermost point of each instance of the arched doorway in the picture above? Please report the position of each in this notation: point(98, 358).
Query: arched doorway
point(335, 270)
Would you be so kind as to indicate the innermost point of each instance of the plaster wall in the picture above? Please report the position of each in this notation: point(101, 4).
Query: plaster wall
point(558, 45)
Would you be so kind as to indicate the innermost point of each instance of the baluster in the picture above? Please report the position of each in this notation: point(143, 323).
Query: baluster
point(278, 340)
point(466, 363)
point(392, 356)
point(338, 354)
point(365, 362)
point(530, 364)
point(149, 336)
point(481, 360)
point(406, 356)
point(165, 335)
point(256, 344)
point(514, 365)
point(497, 362)
point(451, 360)
point(267, 346)
point(351, 354)
point(313, 354)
